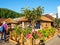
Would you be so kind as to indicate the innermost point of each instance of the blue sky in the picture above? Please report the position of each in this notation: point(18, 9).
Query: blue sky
point(50, 6)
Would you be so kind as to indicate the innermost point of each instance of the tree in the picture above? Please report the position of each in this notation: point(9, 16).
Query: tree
point(33, 15)
point(7, 13)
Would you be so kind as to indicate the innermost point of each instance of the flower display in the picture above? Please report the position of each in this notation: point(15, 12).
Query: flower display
point(28, 35)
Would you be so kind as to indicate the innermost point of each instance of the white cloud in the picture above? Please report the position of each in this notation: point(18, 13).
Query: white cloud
point(53, 15)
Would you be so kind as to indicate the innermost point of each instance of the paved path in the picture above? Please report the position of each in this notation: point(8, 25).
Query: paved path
point(54, 41)
point(6, 43)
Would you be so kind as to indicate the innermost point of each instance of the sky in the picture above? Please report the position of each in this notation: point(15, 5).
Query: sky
point(50, 6)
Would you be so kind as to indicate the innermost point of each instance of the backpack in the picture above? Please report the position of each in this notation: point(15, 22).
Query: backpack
point(5, 26)
point(1, 28)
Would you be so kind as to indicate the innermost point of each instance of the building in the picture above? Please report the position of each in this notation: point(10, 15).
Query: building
point(50, 17)
point(43, 23)
point(11, 23)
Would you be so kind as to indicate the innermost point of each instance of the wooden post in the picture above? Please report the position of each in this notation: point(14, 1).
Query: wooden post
point(22, 39)
point(10, 35)
point(22, 36)
point(31, 40)
point(22, 24)
point(15, 36)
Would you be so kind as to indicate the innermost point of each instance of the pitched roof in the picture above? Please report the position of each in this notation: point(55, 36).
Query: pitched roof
point(23, 19)
point(43, 18)
point(9, 20)
point(49, 16)
point(2, 19)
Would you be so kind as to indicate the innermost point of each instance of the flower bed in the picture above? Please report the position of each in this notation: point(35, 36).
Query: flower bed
point(44, 34)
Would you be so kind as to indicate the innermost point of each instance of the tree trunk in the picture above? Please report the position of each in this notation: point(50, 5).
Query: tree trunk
point(31, 38)
point(33, 25)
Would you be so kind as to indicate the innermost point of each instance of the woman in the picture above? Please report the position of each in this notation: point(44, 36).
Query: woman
point(5, 29)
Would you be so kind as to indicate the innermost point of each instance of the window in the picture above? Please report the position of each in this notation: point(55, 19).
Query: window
point(37, 25)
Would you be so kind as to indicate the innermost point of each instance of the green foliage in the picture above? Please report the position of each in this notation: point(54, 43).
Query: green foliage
point(24, 39)
point(51, 30)
point(47, 32)
point(35, 36)
point(18, 30)
point(7, 13)
point(27, 31)
point(44, 32)
point(33, 14)
point(43, 39)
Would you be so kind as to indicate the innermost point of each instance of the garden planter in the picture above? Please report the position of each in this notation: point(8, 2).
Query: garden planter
point(13, 38)
point(37, 41)
point(46, 38)
point(10, 35)
point(31, 40)
point(28, 42)
point(22, 39)
point(53, 34)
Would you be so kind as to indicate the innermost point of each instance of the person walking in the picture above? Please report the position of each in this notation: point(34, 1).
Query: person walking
point(5, 29)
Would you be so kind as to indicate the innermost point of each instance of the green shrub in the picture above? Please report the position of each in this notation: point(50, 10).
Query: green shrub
point(18, 30)
point(46, 32)
point(51, 30)
point(35, 36)
point(43, 39)
point(27, 31)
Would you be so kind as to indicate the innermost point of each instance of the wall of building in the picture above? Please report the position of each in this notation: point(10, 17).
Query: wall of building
point(45, 25)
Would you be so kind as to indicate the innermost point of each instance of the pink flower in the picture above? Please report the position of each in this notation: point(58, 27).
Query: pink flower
point(28, 35)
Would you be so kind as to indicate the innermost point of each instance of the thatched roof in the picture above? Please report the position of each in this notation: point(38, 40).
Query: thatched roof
point(23, 19)
point(9, 20)
point(49, 16)
point(43, 18)
point(2, 19)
